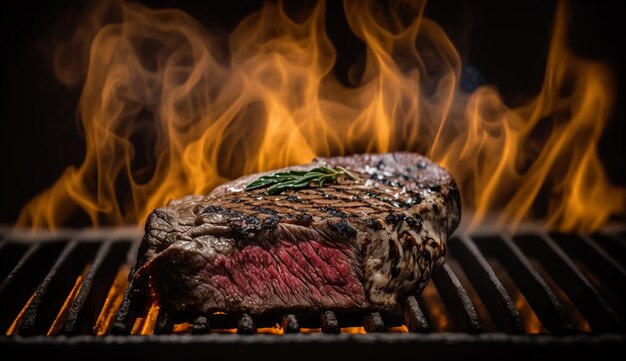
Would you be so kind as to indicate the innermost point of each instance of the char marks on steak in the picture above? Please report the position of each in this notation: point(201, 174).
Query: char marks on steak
point(345, 246)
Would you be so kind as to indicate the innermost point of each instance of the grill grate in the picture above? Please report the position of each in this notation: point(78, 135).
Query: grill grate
point(531, 292)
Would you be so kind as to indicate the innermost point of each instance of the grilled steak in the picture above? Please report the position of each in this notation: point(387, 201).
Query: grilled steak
point(345, 246)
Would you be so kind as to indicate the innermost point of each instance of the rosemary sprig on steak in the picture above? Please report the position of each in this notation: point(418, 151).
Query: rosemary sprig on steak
point(316, 177)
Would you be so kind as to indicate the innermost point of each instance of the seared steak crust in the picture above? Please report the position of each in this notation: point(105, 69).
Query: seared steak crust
point(348, 245)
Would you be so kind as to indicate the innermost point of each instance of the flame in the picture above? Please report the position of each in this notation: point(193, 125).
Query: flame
point(17, 322)
point(399, 329)
point(275, 330)
point(167, 112)
point(532, 324)
point(184, 327)
point(353, 330)
point(145, 325)
point(224, 331)
point(306, 330)
point(435, 308)
point(112, 302)
point(61, 318)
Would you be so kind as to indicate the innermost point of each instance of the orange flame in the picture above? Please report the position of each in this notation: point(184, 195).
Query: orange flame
point(166, 113)
point(112, 302)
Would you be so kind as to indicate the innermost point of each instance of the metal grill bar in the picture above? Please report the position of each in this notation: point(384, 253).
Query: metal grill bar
point(290, 324)
point(10, 254)
point(246, 325)
point(414, 318)
point(200, 325)
point(487, 284)
point(457, 301)
point(613, 245)
point(587, 299)
point(544, 301)
point(329, 322)
point(373, 322)
point(55, 287)
point(19, 285)
point(612, 274)
point(93, 291)
point(318, 347)
point(124, 318)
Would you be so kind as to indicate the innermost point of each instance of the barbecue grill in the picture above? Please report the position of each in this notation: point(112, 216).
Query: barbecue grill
point(526, 295)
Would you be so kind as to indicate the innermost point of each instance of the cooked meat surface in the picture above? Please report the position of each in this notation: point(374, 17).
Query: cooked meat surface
point(349, 245)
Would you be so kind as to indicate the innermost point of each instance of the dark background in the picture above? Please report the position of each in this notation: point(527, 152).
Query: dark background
point(507, 41)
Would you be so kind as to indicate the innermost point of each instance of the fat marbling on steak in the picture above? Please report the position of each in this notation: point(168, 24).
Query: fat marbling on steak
point(345, 246)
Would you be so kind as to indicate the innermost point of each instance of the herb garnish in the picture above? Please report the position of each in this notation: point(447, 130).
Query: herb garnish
point(278, 182)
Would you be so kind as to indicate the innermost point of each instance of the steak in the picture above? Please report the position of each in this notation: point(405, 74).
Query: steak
point(349, 245)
